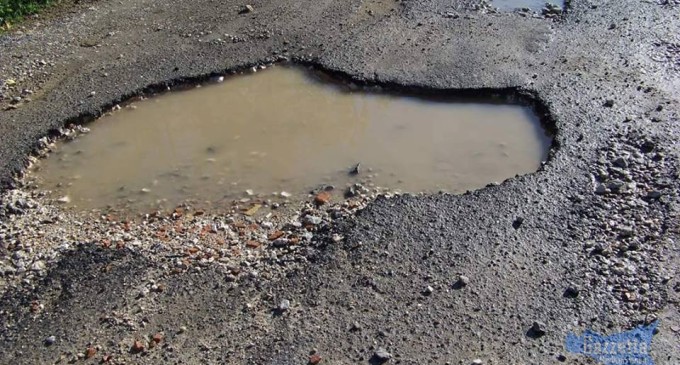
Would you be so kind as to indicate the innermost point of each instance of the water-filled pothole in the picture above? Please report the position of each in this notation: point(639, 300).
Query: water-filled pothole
point(280, 133)
point(534, 5)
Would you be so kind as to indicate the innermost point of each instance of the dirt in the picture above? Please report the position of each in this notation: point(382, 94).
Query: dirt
point(587, 242)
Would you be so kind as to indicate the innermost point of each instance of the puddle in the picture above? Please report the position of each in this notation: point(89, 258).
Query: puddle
point(535, 5)
point(284, 129)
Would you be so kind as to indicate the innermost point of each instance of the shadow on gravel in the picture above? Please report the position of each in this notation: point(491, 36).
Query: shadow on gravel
point(85, 282)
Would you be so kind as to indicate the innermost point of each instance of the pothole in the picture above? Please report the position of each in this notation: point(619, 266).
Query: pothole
point(277, 135)
point(547, 7)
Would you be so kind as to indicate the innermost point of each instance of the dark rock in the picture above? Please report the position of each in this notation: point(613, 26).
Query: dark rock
point(517, 222)
point(462, 282)
point(600, 189)
point(616, 186)
point(538, 329)
point(654, 194)
point(620, 162)
point(355, 170)
point(571, 292)
point(356, 327)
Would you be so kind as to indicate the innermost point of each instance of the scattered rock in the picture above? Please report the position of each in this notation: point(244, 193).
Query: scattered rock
point(552, 10)
point(537, 330)
point(654, 194)
point(356, 327)
point(609, 103)
point(620, 162)
point(246, 9)
point(462, 282)
point(157, 338)
point(647, 146)
point(253, 210)
point(38, 266)
point(322, 198)
point(381, 355)
point(90, 352)
point(281, 242)
point(313, 220)
point(626, 231)
point(253, 244)
point(314, 359)
point(428, 290)
point(137, 347)
point(517, 222)
point(355, 170)
point(630, 296)
point(49, 341)
point(275, 235)
point(571, 292)
point(616, 186)
point(284, 305)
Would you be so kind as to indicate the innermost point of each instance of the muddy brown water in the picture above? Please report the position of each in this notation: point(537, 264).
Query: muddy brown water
point(284, 130)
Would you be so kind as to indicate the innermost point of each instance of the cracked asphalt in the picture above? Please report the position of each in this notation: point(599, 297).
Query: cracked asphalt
point(587, 242)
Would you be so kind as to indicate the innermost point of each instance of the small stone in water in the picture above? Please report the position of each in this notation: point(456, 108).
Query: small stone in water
point(286, 194)
point(322, 198)
point(253, 210)
point(355, 170)
point(64, 199)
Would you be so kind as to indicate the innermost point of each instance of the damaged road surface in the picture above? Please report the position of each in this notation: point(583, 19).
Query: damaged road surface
point(500, 275)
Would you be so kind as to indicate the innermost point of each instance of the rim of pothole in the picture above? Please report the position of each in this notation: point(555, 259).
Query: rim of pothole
point(240, 244)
